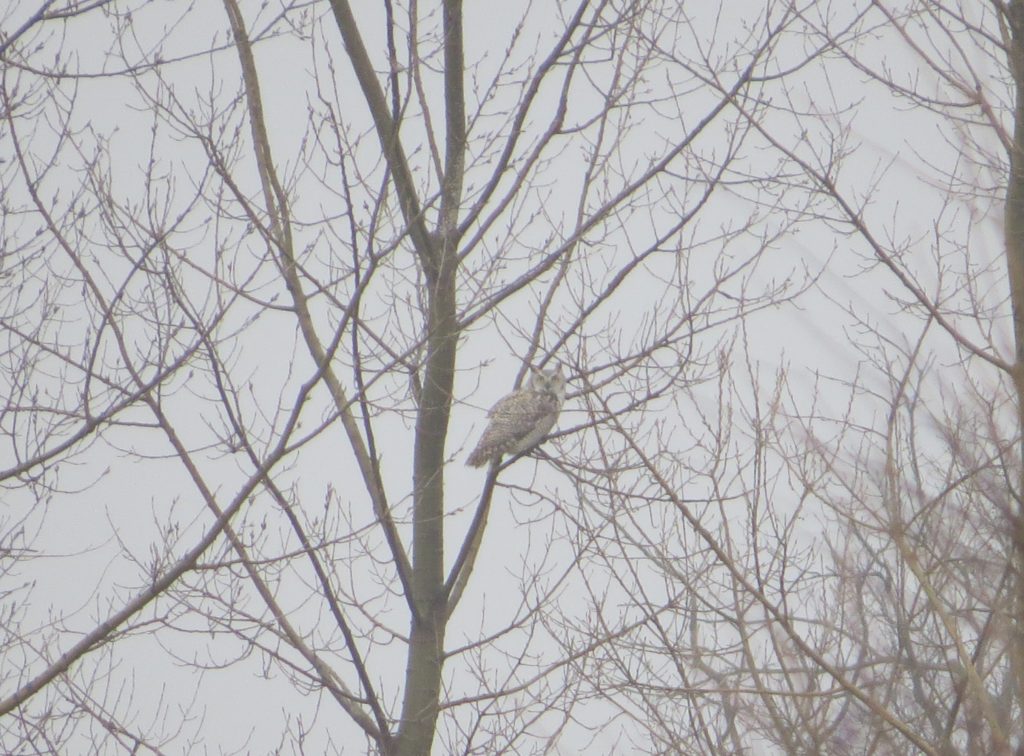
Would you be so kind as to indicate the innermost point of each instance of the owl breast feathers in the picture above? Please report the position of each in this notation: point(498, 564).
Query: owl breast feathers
point(520, 420)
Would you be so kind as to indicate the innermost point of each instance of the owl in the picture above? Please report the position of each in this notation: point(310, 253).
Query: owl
point(521, 419)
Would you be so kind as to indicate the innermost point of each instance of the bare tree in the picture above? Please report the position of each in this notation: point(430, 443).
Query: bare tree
point(832, 563)
point(265, 266)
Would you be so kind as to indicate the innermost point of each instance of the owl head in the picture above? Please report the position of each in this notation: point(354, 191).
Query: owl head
point(548, 382)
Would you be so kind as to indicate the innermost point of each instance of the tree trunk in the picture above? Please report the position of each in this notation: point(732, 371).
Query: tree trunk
point(430, 612)
point(426, 641)
point(1014, 230)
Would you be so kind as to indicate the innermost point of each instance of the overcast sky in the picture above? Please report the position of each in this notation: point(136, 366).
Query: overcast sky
point(130, 120)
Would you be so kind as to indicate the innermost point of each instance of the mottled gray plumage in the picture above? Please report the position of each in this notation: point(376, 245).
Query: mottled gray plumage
point(520, 420)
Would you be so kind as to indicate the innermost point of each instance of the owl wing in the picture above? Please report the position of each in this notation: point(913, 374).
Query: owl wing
point(513, 418)
point(507, 405)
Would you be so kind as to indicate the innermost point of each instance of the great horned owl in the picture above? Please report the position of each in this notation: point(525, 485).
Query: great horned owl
point(521, 419)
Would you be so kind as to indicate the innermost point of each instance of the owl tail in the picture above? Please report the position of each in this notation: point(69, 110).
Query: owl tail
point(478, 458)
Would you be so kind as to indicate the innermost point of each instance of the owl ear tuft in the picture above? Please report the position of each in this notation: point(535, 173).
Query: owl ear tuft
point(547, 374)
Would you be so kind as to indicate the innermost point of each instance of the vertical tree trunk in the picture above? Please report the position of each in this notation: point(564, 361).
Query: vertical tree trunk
point(426, 642)
point(437, 254)
point(1014, 230)
point(426, 653)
